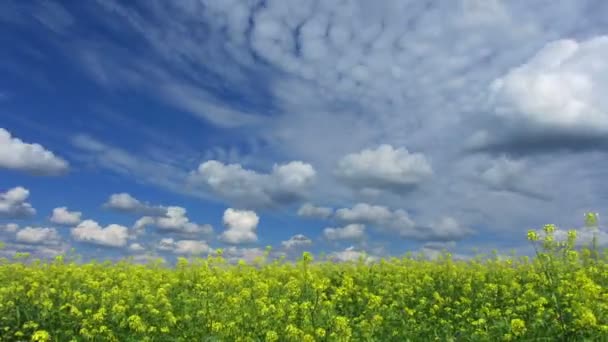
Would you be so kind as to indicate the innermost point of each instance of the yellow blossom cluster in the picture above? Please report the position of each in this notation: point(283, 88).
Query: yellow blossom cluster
point(558, 295)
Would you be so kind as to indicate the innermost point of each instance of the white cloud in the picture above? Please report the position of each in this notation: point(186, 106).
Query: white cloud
point(399, 223)
point(166, 244)
point(296, 241)
point(308, 210)
point(192, 247)
point(382, 218)
point(13, 203)
point(234, 254)
point(351, 254)
point(186, 247)
point(18, 155)
point(364, 212)
point(286, 183)
point(384, 168)
point(139, 228)
point(126, 203)
point(174, 220)
point(91, 232)
point(353, 231)
point(30, 235)
point(136, 247)
point(9, 227)
point(62, 215)
point(240, 226)
point(35, 250)
point(560, 88)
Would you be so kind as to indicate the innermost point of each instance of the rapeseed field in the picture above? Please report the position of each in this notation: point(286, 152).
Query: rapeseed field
point(561, 294)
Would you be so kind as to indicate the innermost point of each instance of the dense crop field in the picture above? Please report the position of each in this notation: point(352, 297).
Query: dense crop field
point(560, 295)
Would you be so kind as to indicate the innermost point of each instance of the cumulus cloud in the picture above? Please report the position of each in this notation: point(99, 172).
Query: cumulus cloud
point(91, 232)
point(43, 251)
point(234, 254)
point(9, 227)
point(353, 231)
point(384, 168)
point(398, 222)
point(296, 241)
point(184, 247)
point(136, 247)
point(13, 204)
point(554, 100)
point(351, 254)
point(308, 210)
point(124, 202)
point(139, 228)
point(240, 226)
point(287, 183)
point(31, 235)
point(174, 220)
point(63, 216)
point(33, 158)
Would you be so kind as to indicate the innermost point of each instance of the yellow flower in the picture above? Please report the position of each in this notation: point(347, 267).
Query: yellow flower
point(41, 336)
point(518, 327)
point(216, 326)
point(272, 336)
point(587, 319)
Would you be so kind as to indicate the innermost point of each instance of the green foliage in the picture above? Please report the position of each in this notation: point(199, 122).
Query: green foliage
point(560, 295)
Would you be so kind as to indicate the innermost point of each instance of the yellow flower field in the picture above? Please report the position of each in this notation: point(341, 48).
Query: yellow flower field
point(560, 295)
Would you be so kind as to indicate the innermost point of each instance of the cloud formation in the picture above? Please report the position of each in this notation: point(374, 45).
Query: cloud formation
point(353, 231)
point(384, 168)
point(296, 241)
point(308, 210)
point(13, 204)
point(554, 101)
point(32, 158)
point(398, 222)
point(37, 236)
point(351, 254)
point(91, 232)
point(285, 184)
point(174, 220)
point(240, 226)
point(9, 228)
point(62, 215)
point(184, 247)
point(124, 202)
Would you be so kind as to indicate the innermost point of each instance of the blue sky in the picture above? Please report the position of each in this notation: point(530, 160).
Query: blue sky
point(154, 128)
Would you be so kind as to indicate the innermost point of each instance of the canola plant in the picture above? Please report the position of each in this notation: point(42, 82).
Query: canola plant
point(561, 294)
